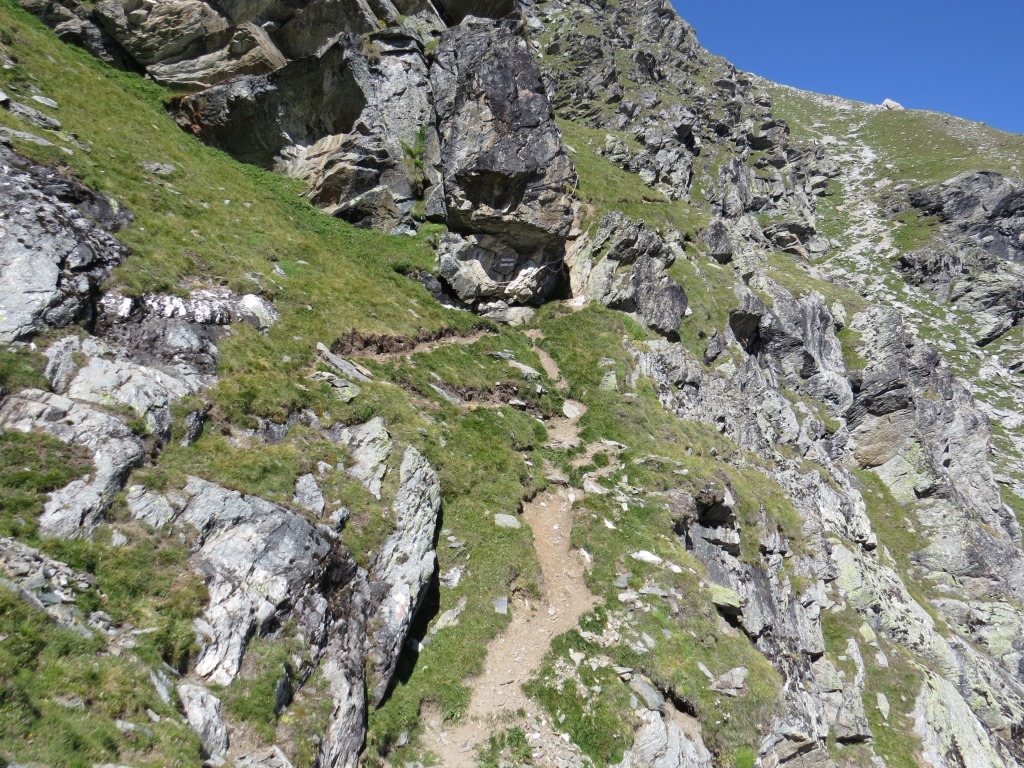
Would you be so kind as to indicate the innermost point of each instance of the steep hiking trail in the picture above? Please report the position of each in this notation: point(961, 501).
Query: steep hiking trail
point(513, 658)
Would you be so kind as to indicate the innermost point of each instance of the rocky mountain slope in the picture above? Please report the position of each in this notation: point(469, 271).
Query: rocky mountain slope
point(415, 382)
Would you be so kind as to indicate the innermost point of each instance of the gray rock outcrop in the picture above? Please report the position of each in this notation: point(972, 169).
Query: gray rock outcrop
point(402, 569)
point(75, 510)
point(393, 130)
point(976, 260)
point(506, 172)
point(266, 568)
point(660, 742)
point(203, 712)
point(44, 583)
point(56, 248)
point(258, 560)
point(625, 266)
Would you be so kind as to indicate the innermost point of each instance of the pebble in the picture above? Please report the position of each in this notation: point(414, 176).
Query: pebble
point(644, 556)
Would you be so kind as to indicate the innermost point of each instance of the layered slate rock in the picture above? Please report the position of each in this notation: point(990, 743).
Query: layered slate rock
point(977, 259)
point(506, 171)
point(796, 339)
point(402, 569)
point(344, 667)
point(258, 560)
point(56, 247)
point(625, 266)
point(75, 510)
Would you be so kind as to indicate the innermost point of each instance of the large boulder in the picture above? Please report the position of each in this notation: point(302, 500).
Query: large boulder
point(374, 175)
point(506, 171)
point(321, 20)
point(354, 120)
point(255, 118)
point(249, 51)
point(155, 32)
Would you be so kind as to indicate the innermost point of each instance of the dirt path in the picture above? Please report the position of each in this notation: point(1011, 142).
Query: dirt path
point(516, 655)
point(546, 361)
point(377, 349)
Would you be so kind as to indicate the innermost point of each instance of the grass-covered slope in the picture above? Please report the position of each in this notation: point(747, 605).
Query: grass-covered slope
point(882, 154)
point(213, 221)
point(216, 222)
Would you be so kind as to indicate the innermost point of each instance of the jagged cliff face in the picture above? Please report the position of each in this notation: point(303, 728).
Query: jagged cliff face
point(616, 407)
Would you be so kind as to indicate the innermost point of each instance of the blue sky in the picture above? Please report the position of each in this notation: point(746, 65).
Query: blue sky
point(964, 58)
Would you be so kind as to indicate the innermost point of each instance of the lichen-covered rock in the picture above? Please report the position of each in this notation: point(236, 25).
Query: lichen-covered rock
point(923, 432)
point(308, 495)
point(148, 507)
point(949, 731)
point(258, 560)
point(402, 569)
point(369, 445)
point(55, 248)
